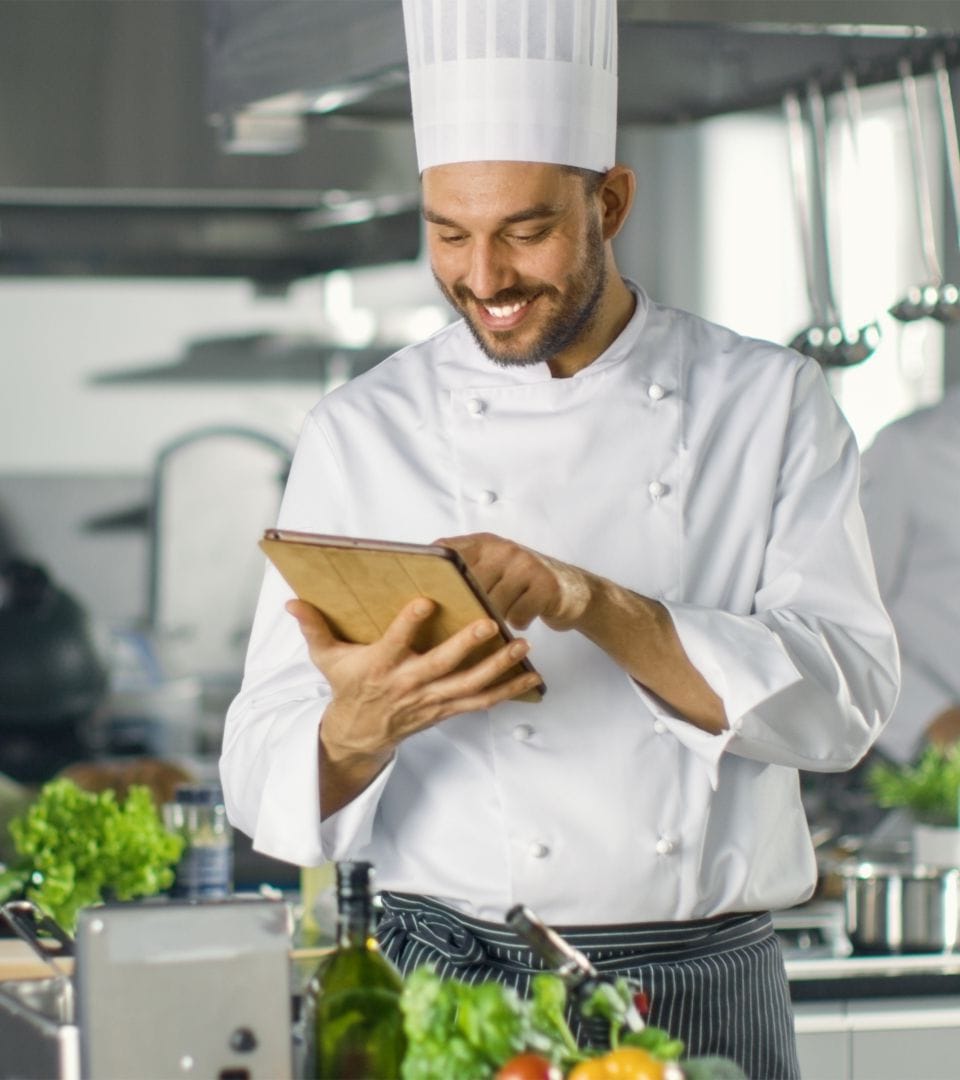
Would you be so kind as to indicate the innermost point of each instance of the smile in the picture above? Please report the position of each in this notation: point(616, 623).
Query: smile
point(504, 311)
point(504, 317)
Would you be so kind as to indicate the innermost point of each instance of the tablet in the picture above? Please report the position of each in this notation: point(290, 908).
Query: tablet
point(360, 585)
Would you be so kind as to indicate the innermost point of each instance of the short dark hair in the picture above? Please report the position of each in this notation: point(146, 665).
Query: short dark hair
point(590, 177)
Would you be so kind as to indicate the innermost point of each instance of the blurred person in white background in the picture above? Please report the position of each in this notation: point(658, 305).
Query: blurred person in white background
point(910, 494)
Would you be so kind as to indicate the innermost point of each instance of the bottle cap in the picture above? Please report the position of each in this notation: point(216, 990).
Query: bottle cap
point(198, 794)
point(354, 878)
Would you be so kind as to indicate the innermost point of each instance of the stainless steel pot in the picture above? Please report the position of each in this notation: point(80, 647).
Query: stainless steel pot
point(901, 909)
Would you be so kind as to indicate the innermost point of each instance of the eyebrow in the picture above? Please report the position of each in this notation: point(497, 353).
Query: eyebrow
point(531, 213)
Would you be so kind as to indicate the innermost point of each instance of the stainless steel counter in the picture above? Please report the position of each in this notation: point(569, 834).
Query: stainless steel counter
point(822, 966)
point(806, 969)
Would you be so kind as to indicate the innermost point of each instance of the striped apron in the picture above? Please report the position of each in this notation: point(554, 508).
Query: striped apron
point(718, 984)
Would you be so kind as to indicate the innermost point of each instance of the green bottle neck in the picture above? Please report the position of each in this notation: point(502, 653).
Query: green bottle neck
point(355, 923)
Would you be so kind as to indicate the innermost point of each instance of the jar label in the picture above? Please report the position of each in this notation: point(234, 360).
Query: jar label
point(204, 872)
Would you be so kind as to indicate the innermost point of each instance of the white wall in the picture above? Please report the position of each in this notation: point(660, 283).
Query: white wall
point(72, 451)
point(55, 335)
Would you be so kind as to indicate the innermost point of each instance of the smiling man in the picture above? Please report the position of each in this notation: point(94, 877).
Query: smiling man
point(536, 284)
point(666, 510)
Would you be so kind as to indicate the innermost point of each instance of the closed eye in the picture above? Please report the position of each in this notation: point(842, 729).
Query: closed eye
point(530, 238)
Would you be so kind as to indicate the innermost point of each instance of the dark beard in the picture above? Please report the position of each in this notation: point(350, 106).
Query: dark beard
point(584, 288)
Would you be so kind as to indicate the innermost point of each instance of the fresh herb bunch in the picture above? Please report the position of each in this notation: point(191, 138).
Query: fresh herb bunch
point(470, 1031)
point(930, 788)
point(74, 848)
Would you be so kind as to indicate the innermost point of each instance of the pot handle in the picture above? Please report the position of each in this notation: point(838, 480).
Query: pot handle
point(28, 922)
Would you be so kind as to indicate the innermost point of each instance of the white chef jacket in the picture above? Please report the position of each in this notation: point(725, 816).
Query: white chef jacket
point(911, 491)
point(689, 464)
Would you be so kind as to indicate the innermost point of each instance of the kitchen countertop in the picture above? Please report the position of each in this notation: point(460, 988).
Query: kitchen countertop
point(19, 961)
point(822, 966)
point(811, 977)
point(833, 978)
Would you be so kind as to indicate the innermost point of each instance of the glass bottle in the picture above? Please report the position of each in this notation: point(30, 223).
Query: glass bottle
point(205, 869)
point(579, 976)
point(353, 1001)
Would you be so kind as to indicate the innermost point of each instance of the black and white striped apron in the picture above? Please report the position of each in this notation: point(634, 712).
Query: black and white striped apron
point(718, 984)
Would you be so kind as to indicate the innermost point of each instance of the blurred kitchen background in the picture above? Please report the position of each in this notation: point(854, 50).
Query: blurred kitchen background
point(208, 218)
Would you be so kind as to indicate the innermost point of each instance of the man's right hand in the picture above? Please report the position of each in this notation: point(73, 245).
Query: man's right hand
point(384, 692)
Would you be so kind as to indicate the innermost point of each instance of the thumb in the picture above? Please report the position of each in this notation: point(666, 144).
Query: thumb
point(312, 624)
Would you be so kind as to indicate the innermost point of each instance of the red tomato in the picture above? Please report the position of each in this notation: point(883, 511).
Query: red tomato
point(529, 1067)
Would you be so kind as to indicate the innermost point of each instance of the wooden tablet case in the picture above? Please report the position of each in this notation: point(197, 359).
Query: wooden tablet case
point(360, 585)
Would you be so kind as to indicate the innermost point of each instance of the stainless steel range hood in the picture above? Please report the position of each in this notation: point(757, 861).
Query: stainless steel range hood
point(680, 60)
point(270, 139)
point(109, 164)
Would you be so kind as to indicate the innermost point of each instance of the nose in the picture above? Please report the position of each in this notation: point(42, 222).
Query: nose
point(489, 270)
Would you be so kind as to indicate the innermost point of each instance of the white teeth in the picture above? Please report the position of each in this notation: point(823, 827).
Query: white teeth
point(505, 310)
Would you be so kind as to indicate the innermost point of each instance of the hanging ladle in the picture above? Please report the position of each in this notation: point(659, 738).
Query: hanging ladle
point(861, 346)
point(813, 339)
point(826, 340)
point(934, 299)
point(949, 311)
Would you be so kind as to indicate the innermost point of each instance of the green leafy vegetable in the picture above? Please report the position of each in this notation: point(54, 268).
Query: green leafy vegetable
point(455, 1029)
point(438, 1046)
point(75, 847)
point(930, 788)
point(547, 1017)
point(712, 1068)
point(655, 1041)
point(612, 1002)
point(491, 1020)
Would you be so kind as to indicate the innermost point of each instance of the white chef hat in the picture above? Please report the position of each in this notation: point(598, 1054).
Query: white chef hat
point(513, 80)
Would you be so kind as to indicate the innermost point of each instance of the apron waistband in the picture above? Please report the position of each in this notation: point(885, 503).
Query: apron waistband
point(464, 940)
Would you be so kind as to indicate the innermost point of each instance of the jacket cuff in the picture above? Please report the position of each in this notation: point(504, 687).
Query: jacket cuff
point(716, 644)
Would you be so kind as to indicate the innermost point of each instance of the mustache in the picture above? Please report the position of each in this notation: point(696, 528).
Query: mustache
point(463, 295)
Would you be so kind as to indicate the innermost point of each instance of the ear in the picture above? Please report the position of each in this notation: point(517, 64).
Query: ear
point(616, 193)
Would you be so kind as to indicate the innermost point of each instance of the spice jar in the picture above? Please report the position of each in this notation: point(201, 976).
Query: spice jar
point(205, 869)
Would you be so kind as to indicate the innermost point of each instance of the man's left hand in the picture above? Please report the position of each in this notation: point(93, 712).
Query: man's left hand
point(636, 632)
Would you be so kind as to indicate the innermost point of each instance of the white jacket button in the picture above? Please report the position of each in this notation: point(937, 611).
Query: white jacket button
point(655, 391)
point(656, 489)
point(659, 726)
point(475, 406)
point(539, 850)
point(523, 732)
point(665, 846)
point(487, 497)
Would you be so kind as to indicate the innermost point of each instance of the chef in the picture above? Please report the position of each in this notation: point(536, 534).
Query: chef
point(666, 510)
point(911, 483)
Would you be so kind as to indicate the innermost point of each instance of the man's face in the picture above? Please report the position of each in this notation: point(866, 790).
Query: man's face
point(517, 249)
